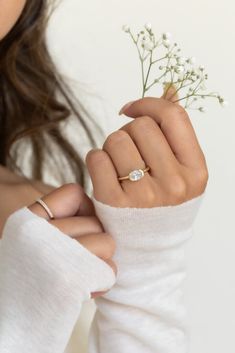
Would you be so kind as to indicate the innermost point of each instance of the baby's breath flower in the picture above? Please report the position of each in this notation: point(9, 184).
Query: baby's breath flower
point(147, 45)
point(179, 69)
point(166, 36)
point(181, 60)
point(166, 43)
point(191, 60)
point(223, 102)
point(172, 68)
point(148, 26)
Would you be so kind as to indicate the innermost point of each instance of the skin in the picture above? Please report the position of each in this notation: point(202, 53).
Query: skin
point(160, 135)
point(10, 11)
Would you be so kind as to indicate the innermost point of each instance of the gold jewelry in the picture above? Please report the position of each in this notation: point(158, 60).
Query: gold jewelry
point(135, 175)
point(46, 208)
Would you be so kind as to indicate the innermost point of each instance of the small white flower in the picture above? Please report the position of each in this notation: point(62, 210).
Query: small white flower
point(126, 28)
point(166, 43)
point(224, 103)
point(148, 45)
point(181, 60)
point(175, 68)
point(148, 26)
point(179, 69)
point(166, 36)
point(181, 77)
point(191, 60)
point(193, 72)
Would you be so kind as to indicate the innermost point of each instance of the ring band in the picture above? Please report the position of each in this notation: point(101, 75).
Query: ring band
point(135, 175)
point(46, 208)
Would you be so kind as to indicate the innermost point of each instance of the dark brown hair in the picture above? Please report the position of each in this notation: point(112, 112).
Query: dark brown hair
point(35, 100)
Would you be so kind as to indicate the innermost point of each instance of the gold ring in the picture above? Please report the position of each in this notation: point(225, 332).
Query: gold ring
point(46, 208)
point(135, 175)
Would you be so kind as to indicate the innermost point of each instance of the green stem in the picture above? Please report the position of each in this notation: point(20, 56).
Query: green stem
point(147, 76)
point(194, 95)
point(157, 60)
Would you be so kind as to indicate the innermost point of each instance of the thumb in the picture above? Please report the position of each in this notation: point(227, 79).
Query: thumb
point(67, 201)
point(170, 92)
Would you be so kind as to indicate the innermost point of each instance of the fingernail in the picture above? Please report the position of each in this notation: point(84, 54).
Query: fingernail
point(125, 107)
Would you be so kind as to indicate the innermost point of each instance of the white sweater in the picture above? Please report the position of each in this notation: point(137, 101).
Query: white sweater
point(45, 276)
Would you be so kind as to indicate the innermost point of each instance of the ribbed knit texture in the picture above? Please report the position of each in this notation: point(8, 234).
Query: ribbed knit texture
point(45, 276)
point(144, 312)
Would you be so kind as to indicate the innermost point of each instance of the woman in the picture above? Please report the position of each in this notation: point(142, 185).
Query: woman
point(65, 248)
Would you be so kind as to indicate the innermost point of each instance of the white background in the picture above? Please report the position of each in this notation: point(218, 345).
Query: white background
point(89, 46)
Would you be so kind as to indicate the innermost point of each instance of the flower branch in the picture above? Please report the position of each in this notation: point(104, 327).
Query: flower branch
point(174, 69)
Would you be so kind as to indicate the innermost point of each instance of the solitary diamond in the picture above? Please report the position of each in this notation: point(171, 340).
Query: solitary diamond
point(136, 175)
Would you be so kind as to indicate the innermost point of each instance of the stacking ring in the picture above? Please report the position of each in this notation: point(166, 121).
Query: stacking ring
point(135, 175)
point(46, 208)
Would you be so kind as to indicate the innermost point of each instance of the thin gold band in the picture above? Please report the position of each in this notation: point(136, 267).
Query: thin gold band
point(46, 208)
point(128, 176)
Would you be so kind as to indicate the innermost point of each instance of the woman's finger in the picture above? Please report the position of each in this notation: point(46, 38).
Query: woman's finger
point(153, 146)
point(176, 126)
point(100, 244)
point(66, 201)
point(125, 157)
point(77, 226)
point(170, 93)
point(103, 175)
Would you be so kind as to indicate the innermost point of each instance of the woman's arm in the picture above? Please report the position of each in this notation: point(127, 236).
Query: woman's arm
point(45, 275)
point(150, 220)
point(17, 192)
point(144, 311)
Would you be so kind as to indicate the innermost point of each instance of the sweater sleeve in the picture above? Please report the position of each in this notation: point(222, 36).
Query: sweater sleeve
point(144, 312)
point(44, 277)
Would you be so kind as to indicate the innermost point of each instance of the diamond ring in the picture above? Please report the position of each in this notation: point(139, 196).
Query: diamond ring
point(135, 175)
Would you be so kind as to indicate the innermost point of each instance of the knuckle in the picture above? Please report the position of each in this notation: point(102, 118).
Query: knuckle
point(177, 110)
point(114, 138)
point(143, 123)
point(202, 177)
point(177, 188)
point(73, 188)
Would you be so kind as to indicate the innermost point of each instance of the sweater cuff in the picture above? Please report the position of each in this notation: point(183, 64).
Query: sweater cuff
point(58, 255)
point(156, 226)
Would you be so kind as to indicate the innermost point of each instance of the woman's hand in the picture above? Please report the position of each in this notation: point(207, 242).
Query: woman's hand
point(162, 137)
point(74, 215)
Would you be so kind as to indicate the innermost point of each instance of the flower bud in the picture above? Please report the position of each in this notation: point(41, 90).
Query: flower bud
point(166, 36)
point(148, 26)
